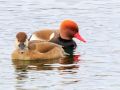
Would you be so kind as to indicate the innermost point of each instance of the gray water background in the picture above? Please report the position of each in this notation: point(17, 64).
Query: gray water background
point(99, 23)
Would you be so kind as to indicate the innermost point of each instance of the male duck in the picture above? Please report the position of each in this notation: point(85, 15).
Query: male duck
point(34, 50)
point(64, 36)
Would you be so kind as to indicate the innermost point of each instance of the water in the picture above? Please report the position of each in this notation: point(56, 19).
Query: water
point(99, 65)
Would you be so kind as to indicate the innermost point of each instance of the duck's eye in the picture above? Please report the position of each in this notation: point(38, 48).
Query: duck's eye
point(19, 40)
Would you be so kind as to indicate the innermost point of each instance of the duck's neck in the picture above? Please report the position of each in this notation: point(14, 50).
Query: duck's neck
point(65, 37)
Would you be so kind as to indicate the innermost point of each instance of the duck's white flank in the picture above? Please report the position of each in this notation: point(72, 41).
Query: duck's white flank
point(34, 37)
point(51, 36)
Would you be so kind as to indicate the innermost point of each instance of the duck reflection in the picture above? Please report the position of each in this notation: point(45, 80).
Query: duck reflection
point(68, 62)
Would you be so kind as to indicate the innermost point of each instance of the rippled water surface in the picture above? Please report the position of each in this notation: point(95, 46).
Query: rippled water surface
point(97, 68)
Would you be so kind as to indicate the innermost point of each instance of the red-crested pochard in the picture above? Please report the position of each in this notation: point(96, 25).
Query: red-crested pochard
point(64, 36)
point(33, 50)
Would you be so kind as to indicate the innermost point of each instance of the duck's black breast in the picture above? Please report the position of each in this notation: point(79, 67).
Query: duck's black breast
point(68, 45)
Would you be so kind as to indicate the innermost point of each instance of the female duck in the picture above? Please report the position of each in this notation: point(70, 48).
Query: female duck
point(35, 50)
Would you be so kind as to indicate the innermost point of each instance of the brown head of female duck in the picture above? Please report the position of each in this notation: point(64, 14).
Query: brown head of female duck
point(21, 42)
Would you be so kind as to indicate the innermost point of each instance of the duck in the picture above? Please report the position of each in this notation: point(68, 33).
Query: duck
point(68, 30)
point(35, 50)
point(63, 36)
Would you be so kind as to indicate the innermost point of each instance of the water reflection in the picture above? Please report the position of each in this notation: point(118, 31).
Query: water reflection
point(58, 72)
point(68, 62)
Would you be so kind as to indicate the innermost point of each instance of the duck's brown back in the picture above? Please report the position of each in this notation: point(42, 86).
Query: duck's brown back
point(45, 34)
point(42, 47)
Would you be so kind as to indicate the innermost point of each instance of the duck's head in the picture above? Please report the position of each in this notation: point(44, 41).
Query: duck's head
point(69, 29)
point(21, 41)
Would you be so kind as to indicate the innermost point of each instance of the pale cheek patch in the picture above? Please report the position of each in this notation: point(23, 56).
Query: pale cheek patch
point(52, 36)
point(17, 44)
point(34, 37)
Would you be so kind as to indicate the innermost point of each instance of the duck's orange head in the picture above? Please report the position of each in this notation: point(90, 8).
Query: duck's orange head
point(21, 40)
point(69, 29)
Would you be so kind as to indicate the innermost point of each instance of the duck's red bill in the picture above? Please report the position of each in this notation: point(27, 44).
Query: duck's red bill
point(78, 36)
point(76, 58)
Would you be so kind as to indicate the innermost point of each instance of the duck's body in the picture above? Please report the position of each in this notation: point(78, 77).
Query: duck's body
point(44, 35)
point(42, 50)
point(38, 50)
point(52, 36)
